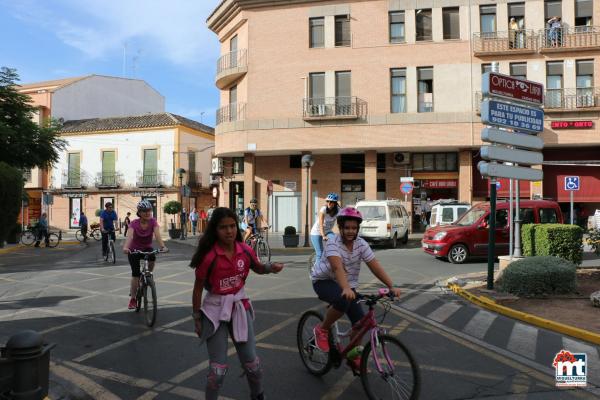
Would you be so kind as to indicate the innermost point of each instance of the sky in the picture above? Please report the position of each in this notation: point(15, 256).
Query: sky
point(165, 42)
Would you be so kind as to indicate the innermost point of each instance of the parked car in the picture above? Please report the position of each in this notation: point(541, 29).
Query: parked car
point(383, 221)
point(468, 237)
point(445, 212)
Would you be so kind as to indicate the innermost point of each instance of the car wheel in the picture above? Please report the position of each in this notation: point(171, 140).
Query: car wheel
point(405, 238)
point(394, 241)
point(458, 254)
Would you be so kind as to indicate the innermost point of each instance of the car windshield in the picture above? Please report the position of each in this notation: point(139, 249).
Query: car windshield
point(471, 216)
point(376, 213)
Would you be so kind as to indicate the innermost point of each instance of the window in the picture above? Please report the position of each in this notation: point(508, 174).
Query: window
point(552, 8)
point(233, 47)
point(192, 167)
point(397, 33)
point(487, 20)
point(554, 84)
point(150, 162)
point(342, 30)
point(451, 22)
point(233, 103)
point(423, 17)
point(501, 219)
point(486, 68)
point(343, 93)
point(516, 25)
point(296, 161)
point(380, 163)
point(548, 216)
point(316, 93)
point(585, 83)
point(238, 165)
point(353, 163)
point(518, 70)
point(517, 11)
point(380, 185)
point(583, 13)
point(447, 214)
point(317, 32)
point(27, 175)
point(526, 216)
point(460, 211)
point(108, 168)
point(398, 90)
point(425, 89)
point(74, 174)
point(435, 162)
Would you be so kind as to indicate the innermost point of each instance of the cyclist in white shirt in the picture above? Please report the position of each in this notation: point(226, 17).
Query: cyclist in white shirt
point(322, 229)
point(252, 219)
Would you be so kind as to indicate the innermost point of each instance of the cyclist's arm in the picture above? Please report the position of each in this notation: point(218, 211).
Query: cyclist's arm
point(101, 224)
point(128, 240)
point(157, 237)
point(383, 276)
point(115, 223)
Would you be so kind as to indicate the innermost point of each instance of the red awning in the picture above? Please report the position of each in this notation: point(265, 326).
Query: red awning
point(589, 186)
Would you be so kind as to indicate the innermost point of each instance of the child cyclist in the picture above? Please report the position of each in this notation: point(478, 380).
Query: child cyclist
point(335, 277)
point(139, 237)
point(222, 263)
point(322, 229)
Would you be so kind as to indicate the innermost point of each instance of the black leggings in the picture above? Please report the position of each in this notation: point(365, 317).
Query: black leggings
point(134, 262)
point(331, 292)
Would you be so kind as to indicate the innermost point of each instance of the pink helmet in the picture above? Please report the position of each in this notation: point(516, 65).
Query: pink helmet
point(349, 213)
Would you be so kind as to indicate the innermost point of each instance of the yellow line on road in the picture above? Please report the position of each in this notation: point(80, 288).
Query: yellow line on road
point(113, 376)
point(11, 249)
point(94, 390)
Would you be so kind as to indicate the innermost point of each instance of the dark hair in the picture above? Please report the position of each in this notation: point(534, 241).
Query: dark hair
point(108, 204)
point(209, 238)
point(334, 210)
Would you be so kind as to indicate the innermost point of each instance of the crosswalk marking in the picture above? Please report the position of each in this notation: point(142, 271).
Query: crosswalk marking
point(444, 312)
point(479, 324)
point(523, 339)
point(416, 302)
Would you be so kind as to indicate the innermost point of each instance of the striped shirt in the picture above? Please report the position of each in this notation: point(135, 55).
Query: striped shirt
point(361, 251)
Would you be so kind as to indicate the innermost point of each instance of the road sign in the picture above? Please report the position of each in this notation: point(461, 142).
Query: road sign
point(498, 185)
point(406, 179)
point(511, 155)
point(511, 139)
point(494, 84)
point(406, 187)
point(571, 183)
point(512, 116)
point(509, 171)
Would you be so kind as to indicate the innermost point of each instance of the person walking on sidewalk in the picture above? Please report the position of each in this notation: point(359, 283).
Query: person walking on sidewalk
point(194, 221)
point(42, 230)
point(83, 224)
point(126, 222)
point(183, 218)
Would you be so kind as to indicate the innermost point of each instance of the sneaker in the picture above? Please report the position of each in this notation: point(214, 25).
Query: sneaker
point(321, 338)
point(132, 304)
point(356, 363)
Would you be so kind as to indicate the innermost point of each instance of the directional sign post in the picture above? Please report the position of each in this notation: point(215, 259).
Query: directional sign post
point(571, 185)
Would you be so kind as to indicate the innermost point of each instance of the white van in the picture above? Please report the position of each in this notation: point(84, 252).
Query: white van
point(383, 221)
point(445, 212)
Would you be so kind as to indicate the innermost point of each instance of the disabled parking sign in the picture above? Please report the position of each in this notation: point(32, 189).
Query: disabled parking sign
point(571, 183)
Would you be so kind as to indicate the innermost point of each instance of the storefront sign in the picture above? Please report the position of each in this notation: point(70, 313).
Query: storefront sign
point(572, 124)
point(72, 195)
point(440, 183)
point(147, 194)
point(495, 84)
point(290, 186)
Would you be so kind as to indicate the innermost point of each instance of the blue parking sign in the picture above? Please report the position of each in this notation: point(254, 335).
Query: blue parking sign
point(571, 183)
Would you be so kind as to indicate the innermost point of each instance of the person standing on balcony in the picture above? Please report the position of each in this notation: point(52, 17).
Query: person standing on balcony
point(513, 27)
point(194, 221)
point(555, 31)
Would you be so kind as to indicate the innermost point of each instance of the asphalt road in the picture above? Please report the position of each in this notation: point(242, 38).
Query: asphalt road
point(105, 351)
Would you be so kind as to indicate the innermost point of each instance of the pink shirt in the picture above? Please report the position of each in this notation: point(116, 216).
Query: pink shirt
point(142, 238)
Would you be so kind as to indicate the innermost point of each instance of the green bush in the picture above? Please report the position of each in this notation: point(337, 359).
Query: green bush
point(539, 276)
point(11, 194)
point(528, 239)
point(564, 241)
point(594, 240)
point(98, 212)
point(172, 207)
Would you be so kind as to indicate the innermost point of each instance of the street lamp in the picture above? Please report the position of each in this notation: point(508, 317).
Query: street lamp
point(307, 162)
point(180, 173)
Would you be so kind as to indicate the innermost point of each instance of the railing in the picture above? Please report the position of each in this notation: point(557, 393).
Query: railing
point(74, 179)
point(572, 99)
point(231, 112)
point(150, 179)
point(343, 107)
point(108, 180)
point(512, 41)
point(233, 59)
point(194, 179)
point(578, 37)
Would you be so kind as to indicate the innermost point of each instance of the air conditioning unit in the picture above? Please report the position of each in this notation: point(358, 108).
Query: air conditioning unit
point(217, 166)
point(402, 158)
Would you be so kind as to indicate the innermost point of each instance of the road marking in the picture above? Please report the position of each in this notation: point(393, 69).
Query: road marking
point(113, 376)
point(148, 396)
point(520, 387)
point(270, 346)
point(180, 293)
point(416, 302)
point(444, 312)
point(193, 393)
point(401, 327)
point(523, 340)
point(339, 387)
point(480, 323)
point(112, 346)
point(94, 390)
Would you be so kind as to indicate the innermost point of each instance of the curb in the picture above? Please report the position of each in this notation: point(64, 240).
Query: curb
point(10, 249)
point(529, 318)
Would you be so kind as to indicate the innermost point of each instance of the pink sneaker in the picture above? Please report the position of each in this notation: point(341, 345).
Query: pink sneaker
point(321, 338)
point(132, 304)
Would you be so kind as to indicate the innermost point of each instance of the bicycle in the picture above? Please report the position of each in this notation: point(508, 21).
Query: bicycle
point(94, 233)
point(311, 261)
point(110, 255)
point(146, 282)
point(29, 237)
point(384, 358)
point(259, 245)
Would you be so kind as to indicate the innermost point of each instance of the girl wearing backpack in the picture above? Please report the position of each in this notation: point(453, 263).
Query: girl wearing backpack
point(222, 263)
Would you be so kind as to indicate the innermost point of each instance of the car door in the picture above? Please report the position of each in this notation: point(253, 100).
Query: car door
point(479, 235)
point(405, 220)
point(502, 232)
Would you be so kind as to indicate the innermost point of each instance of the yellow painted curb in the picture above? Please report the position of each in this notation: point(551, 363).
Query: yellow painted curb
point(9, 249)
point(490, 304)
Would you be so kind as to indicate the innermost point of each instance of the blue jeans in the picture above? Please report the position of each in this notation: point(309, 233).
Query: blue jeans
point(317, 244)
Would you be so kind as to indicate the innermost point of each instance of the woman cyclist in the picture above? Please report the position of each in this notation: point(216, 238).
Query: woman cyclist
point(335, 277)
point(139, 237)
point(321, 230)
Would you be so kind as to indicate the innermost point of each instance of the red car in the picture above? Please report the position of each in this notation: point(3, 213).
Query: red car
point(468, 236)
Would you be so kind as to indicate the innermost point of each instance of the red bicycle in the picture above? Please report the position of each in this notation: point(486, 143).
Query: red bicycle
point(387, 369)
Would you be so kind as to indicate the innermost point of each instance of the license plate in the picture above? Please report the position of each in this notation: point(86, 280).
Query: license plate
point(366, 229)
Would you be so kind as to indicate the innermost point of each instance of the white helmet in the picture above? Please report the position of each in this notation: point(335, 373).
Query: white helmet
point(144, 205)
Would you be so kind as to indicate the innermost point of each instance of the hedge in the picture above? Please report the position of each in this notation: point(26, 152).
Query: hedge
point(528, 239)
point(539, 276)
point(564, 241)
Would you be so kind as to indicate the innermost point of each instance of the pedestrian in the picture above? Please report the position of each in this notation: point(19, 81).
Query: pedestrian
point(222, 263)
point(83, 225)
point(513, 27)
point(126, 222)
point(194, 220)
point(42, 230)
point(183, 218)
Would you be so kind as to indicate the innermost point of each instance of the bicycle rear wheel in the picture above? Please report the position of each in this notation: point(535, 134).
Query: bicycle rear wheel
point(150, 301)
point(28, 237)
point(317, 362)
point(398, 375)
point(79, 236)
point(53, 240)
point(311, 262)
point(111, 252)
point(263, 251)
point(97, 235)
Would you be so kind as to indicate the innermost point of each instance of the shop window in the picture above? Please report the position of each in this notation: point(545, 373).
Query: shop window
point(353, 163)
point(380, 162)
point(296, 161)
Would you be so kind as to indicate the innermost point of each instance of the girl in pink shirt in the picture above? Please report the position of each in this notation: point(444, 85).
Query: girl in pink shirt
point(222, 263)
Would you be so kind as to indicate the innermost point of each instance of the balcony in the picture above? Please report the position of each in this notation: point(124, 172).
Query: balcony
point(150, 179)
point(231, 113)
point(194, 179)
point(108, 180)
point(231, 67)
point(521, 41)
point(74, 179)
point(580, 99)
point(331, 108)
point(569, 39)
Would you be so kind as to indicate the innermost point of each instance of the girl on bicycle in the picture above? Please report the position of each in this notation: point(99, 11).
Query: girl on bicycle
point(335, 277)
point(139, 237)
point(222, 262)
point(322, 229)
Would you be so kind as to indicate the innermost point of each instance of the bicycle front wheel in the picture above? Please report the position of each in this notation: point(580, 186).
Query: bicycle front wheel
point(112, 256)
point(53, 240)
point(311, 262)
point(317, 362)
point(79, 236)
point(150, 301)
point(263, 251)
point(389, 371)
point(97, 235)
point(28, 237)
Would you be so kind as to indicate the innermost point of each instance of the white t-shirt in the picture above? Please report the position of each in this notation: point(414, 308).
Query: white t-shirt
point(351, 260)
point(328, 222)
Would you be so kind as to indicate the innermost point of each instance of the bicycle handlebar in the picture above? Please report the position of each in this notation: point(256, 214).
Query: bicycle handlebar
point(381, 293)
point(154, 251)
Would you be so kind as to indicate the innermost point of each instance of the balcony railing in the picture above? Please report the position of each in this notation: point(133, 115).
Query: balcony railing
point(231, 113)
point(230, 67)
point(150, 179)
point(342, 107)
point(579, 99)
point(74, 179)
point(194, 179)
point(573, 38)
point(108, 180)
point(507, 42)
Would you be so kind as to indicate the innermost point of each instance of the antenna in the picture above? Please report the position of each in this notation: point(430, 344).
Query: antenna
point(124, 60)
point(201, 115)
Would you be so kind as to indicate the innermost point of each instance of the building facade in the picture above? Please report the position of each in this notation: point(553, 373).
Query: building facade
point(158, 157)
point(377, 90)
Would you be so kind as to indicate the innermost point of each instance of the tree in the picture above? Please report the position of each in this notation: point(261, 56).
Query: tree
point(11, 189)
point(24, 143)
